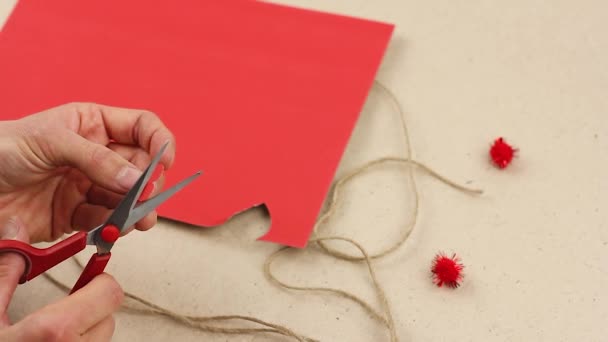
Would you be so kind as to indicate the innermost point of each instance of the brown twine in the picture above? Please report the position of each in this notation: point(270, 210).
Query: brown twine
point(202, 323)
point(194, 322)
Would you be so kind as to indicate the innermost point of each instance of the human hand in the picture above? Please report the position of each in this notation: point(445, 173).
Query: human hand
point(65, 168)
point(85, 315)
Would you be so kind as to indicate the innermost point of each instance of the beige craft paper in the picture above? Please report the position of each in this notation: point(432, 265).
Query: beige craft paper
point(534, 244)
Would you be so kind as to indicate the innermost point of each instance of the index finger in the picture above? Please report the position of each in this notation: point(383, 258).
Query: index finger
point(137, 127)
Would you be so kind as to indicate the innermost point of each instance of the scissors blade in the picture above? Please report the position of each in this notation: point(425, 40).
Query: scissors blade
point(121, 214)
point(144, 208)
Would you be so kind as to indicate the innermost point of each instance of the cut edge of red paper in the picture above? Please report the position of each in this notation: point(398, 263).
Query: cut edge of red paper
point(269, 236)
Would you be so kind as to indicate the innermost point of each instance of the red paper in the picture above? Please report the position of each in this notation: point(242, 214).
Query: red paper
point(261, 97)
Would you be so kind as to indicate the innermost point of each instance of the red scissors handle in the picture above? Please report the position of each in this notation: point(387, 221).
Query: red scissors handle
point(40, 260)
point(95, 267)
point(37, 260)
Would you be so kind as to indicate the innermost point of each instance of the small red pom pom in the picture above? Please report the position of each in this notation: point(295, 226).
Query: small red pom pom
point(447, 271)
point(502, 153)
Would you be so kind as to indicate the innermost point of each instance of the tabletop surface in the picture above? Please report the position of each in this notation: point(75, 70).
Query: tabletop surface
point(534, 244)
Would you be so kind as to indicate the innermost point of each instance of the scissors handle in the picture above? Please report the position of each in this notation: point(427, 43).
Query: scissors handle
point(95, 267)
point(39, 260)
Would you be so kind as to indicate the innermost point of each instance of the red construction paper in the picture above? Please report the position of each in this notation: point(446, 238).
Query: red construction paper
point(261, 97)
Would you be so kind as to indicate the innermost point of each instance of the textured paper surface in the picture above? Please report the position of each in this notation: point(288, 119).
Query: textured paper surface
point(261, 97)
point(534, 245)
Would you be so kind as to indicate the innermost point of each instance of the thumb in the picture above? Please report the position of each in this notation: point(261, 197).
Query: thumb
point(100, 164)
point(12, 265)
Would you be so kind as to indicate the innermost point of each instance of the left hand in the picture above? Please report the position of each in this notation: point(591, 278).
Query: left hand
point(65, 168)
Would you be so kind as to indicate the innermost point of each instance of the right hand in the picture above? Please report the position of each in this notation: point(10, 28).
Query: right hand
point(64, 169)
point(86, 315)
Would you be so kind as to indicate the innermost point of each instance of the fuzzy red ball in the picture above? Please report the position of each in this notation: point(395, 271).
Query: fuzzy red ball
point(447, 270)
point(502, 153)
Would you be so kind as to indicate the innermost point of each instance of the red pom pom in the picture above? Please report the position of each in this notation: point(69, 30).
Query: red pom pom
point(447, 271)
point(502, 153)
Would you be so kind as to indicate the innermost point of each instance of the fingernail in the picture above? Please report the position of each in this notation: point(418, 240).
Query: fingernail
point(128, 176)
point(10, 229)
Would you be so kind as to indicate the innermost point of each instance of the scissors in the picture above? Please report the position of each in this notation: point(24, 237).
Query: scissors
point(129, 211)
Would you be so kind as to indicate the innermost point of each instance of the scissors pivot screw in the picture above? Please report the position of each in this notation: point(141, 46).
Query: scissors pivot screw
point(110, 233)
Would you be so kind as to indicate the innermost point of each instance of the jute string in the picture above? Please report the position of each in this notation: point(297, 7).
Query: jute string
point(136, 304)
